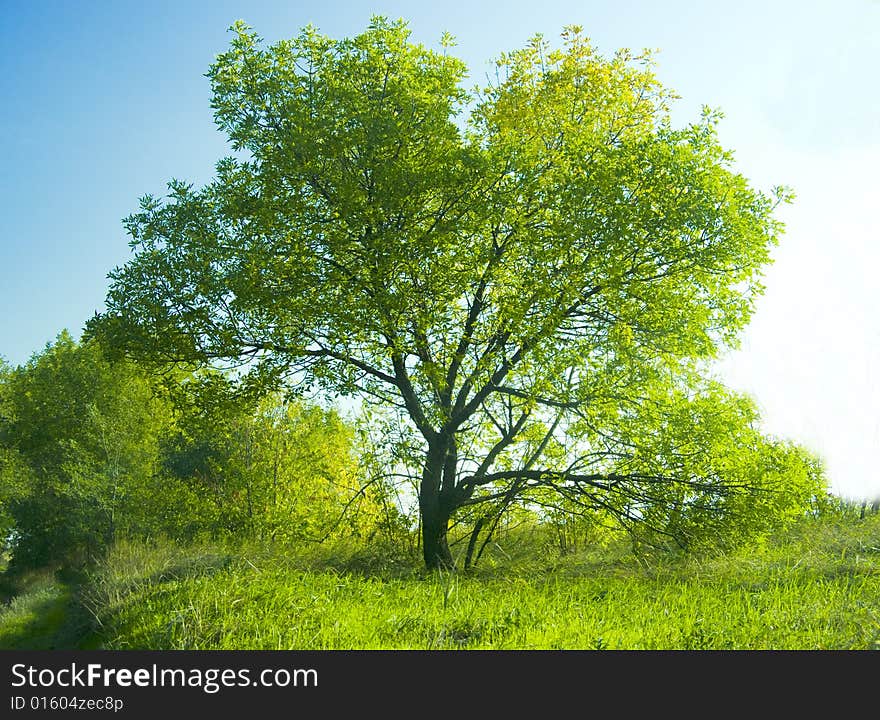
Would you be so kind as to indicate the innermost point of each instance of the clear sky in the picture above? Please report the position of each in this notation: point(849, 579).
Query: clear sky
point(102, 102)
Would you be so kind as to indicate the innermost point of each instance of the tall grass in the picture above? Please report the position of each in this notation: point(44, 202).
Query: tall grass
point(816, 587)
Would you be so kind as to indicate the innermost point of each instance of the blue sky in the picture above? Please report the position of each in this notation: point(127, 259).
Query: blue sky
point(102, 102)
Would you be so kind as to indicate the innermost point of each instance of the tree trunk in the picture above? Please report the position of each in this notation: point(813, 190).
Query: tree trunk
point(469, 561)
point(435, 515)
point(434, 545)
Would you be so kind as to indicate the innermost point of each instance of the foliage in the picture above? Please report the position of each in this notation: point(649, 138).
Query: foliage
point(269, 468)
point(92, 450)
point(79, 434)
point(738, 483)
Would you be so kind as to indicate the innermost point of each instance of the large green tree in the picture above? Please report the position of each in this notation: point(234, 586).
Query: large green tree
point(529, 272)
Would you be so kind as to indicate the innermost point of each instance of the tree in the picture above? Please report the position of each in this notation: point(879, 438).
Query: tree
point(531, 272)
point(264, 467)
point(79, 437)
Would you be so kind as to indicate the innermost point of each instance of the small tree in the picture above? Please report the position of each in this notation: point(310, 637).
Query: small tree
point(269, 467)
point(529, 272)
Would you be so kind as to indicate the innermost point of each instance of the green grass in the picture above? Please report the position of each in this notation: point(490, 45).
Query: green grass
point(42, 613)
point(816, 587)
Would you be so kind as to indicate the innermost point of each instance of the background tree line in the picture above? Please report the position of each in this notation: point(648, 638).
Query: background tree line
point(93, 450)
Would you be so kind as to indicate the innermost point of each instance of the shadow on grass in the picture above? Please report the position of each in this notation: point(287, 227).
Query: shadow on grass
point(199, 566)
point(48, 618)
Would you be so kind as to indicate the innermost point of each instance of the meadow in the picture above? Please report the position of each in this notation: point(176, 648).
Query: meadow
point(815, 586)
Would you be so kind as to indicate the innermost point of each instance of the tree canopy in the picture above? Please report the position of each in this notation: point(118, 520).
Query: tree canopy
point(531, 273)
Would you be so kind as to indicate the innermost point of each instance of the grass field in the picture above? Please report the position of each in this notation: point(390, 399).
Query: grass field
point(816, 587)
